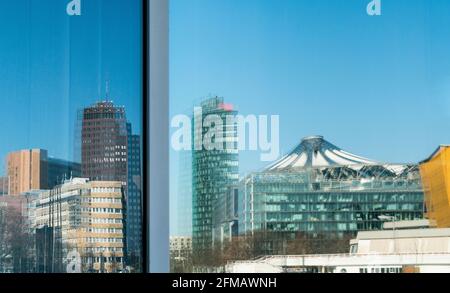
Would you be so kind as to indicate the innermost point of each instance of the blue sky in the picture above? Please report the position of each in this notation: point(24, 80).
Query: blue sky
point(376, 86)
point(51, 65)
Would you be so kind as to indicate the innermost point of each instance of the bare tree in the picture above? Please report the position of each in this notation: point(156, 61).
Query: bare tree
point(17, 242)
point(261, 243)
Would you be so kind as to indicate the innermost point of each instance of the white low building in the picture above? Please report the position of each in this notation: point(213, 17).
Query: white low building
point(406, 247)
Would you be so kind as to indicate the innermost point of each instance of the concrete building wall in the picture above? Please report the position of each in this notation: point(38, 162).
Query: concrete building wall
point(27, 170)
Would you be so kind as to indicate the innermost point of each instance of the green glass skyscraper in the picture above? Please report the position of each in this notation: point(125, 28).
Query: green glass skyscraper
point(214, 169)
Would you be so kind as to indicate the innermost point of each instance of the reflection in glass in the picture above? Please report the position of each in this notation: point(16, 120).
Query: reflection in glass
point(70, 190)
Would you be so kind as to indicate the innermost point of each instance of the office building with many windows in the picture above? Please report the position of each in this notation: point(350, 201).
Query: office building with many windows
point(104, 142)
point(134, 199)
point(82, 222)
point(213, 170)
point(321, 191)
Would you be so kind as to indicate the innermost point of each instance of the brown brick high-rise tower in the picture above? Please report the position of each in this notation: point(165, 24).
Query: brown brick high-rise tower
point(104, 147)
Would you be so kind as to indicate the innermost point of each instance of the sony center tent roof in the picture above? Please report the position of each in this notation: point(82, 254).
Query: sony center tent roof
point(316, 152)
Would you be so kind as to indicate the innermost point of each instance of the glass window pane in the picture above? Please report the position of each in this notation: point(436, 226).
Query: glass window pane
point(72, 96)
point(298, 124)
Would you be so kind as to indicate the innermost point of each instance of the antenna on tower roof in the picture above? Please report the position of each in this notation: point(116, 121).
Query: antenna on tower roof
point(107, 90)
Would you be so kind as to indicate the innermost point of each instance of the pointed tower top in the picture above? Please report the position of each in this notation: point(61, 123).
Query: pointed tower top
point(107, 90)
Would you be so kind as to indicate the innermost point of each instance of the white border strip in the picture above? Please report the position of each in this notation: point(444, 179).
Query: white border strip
point(158, 168)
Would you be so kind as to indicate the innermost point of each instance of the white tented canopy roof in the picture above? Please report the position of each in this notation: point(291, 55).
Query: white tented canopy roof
point(316, 152)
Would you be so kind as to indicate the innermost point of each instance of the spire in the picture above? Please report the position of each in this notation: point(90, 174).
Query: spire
point(107, 90)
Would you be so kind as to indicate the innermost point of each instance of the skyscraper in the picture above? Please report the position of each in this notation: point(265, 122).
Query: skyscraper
point(213, 171)
point(134, 198)
point(111, 152)
point(104, 142)
point(104, 148)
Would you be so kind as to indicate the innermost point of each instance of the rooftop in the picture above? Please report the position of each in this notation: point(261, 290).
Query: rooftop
point(408, 233)
point(316, 152)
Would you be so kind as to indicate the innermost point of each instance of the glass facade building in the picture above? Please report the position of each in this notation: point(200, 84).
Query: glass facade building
point(213, 171)
point(312, 191)
point(61, 170)
point(134, 200)
point(226, 217)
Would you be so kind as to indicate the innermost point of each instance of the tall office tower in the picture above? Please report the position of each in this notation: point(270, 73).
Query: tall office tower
point(214, 170)
point(27, 170)
point(104, 143)
point(134, 199)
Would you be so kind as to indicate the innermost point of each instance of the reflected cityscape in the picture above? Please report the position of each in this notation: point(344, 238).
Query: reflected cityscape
point(71, 153)
point(67, 217)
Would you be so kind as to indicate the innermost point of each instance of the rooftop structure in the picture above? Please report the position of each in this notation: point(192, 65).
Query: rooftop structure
point(316, 152)
point(322, 191)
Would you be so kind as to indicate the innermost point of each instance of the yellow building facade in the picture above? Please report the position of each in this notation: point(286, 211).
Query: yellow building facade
point(435, 174)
